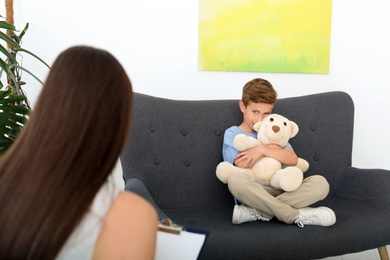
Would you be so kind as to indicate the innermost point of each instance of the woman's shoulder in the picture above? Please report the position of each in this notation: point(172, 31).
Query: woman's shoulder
point(128, 203)
point(132, 219)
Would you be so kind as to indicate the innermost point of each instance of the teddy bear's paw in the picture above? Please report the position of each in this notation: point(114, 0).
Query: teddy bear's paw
point(240, 142)
point(302, 164)
point(288, 179)
point(223, 171)
point(265, 169)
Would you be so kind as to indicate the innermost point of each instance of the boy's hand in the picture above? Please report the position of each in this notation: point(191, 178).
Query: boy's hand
point(248, 158)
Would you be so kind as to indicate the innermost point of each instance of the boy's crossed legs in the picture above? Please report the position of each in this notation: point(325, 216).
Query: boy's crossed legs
point(263, 203)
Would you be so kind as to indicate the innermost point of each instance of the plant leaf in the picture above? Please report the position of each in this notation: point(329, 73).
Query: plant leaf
point(20, 109)
point(26, 70)
point(10, 76)
point(8, 26)
point(22, 33)
point(13, 115)
point(4, 67)
point(9, 55)
point(35, 56)
point(13, 99)
point(8, 39)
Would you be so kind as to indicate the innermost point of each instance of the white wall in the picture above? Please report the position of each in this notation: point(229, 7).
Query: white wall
point(156, 41)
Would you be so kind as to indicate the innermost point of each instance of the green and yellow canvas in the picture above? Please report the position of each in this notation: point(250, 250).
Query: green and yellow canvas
point(265, 35)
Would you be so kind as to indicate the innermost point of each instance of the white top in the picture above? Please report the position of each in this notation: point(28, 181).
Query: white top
point(81, 243)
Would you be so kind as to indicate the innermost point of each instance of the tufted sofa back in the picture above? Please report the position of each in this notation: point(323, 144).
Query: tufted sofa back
point(175, 145)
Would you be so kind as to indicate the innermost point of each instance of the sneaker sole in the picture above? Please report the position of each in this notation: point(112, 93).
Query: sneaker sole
point(333, 217)
point(236, 212)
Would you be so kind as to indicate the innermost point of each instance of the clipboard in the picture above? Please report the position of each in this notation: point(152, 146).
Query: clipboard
point(177, 242)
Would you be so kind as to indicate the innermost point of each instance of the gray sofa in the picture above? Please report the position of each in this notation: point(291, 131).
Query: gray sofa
point(175, 146)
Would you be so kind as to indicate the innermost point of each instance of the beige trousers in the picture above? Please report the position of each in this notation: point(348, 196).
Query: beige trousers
point(270, 202)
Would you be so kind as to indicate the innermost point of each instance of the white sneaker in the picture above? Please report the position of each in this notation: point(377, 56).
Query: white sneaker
point(321, 216)
point(242, 213)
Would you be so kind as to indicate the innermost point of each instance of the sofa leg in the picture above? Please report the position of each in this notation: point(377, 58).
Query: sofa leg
point(383, 253)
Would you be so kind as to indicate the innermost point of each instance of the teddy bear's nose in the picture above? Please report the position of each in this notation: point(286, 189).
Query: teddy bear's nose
point(276, 128)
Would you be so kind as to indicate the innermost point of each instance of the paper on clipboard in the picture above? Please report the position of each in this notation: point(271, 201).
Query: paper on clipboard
point(181, 245)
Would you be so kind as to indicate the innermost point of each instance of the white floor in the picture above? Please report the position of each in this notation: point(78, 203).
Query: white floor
point(365, 255)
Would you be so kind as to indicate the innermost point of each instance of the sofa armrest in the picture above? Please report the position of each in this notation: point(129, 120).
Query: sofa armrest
point(364, 184)
point(137, 186)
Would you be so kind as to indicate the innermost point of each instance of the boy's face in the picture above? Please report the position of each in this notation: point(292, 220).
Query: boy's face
point(254, 112)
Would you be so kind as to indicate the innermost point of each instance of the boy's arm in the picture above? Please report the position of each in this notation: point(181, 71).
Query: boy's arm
point(248, 158)
point(229, 153)
point(284, 155)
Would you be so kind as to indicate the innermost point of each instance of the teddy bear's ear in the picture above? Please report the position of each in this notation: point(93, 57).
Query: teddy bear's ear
point(294, 129)
point(256, 126)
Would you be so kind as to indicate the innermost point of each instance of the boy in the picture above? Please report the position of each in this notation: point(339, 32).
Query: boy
point(261, 202)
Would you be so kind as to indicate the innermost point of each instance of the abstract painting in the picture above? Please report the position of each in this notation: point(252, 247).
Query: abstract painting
point(264, 35)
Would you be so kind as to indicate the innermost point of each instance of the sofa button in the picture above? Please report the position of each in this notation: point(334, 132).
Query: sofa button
point(184, 132)
point(312, 128)
point(156, 162)
point(316, 157)
point(187, 163)
point(218, 133)
point(152, 129)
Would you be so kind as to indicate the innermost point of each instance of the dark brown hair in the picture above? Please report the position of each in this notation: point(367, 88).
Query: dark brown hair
point(66, 151)
point(258, 91)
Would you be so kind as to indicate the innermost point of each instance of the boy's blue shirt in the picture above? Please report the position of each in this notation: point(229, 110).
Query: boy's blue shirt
point(228, 151)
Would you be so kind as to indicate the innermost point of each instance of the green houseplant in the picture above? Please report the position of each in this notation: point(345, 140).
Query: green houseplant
point(14, 105)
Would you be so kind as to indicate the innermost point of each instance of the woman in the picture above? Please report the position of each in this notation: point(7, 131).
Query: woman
point(63, 158)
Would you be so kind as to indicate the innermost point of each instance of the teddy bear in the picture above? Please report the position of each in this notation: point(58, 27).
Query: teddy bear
point(274, 129)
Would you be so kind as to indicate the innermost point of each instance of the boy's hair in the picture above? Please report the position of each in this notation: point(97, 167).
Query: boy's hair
point(258, 91)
